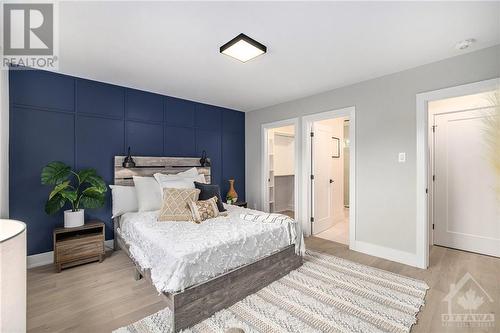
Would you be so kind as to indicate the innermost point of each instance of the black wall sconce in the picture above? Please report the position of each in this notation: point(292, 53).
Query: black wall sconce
point(204, 162)
point(128, 162)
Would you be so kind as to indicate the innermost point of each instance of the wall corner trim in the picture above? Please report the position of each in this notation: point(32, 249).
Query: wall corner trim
point(4, 143)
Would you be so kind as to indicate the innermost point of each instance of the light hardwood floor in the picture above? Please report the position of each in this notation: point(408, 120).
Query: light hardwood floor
point(100, 297)
point(339, 232)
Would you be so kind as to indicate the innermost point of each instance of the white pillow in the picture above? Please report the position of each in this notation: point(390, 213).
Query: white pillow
point(201, 179)
point(174, 181)
point(124, 199)
point(193, 172)
point(149, 196)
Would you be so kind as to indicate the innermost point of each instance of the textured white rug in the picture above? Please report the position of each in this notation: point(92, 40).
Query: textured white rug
point(326, 294)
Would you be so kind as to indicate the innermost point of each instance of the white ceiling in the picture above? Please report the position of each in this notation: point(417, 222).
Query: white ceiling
point(172, 48)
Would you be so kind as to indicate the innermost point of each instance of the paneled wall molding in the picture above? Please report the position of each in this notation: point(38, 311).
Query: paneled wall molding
point(145, 121)
point(85, 123)
point(37, 108)
point(92, 115)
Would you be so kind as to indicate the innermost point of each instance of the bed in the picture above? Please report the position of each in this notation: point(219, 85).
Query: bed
point(201, 268)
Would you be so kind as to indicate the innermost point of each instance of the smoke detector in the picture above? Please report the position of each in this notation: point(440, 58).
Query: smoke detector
point(464, 44)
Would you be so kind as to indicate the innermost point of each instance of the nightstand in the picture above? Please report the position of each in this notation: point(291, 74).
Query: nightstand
point(240, 204)
point(79, 245)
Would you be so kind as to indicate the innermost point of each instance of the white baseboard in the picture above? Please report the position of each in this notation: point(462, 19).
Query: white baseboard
point(40, 259)
point(402, 257)
point(47, 258)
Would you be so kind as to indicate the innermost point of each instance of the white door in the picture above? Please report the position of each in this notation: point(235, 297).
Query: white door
point(466, 210)
point(322, 151)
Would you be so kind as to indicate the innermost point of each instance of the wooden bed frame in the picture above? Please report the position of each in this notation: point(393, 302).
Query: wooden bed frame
point(200, 301)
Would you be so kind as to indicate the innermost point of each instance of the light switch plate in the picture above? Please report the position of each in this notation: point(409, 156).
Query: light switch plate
point(402, 157)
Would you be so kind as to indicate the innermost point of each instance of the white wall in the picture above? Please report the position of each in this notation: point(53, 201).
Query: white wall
point(283, 154)
point(4, 144)
point(385, 125)
point(460, 103)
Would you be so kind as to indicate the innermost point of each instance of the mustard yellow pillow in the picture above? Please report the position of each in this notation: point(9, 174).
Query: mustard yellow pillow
point(175, 204)
point(204, 209)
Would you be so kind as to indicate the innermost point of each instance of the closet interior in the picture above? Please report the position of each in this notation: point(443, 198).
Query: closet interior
point(281, 151)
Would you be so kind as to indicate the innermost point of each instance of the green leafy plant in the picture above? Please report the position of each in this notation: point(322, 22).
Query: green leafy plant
point(82, 189)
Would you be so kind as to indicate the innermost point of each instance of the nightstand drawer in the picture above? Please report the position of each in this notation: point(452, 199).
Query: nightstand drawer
point(80, 240)
point(69, 252)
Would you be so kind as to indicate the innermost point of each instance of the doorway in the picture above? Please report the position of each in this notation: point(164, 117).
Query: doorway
point(330, 214)
point(463, 207)
point(425, 160)
point(329, 164)
point(280, 147)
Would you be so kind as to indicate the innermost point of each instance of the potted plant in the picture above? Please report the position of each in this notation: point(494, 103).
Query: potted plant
point(82, 189)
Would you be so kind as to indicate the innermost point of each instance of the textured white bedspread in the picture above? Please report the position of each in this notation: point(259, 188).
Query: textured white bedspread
point(182, 254)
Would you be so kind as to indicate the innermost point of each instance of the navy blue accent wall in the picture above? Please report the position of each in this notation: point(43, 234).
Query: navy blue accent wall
point(85, 123)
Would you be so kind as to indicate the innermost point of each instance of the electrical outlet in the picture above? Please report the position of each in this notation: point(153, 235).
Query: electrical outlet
point(402, 157)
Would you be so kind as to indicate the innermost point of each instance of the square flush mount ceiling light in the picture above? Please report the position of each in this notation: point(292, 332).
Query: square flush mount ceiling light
point(243, 48)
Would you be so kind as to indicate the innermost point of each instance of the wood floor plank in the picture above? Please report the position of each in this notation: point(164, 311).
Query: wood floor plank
point(100, 297)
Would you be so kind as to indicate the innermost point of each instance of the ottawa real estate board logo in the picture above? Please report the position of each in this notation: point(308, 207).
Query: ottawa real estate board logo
point(29, 37)
point(469, 305)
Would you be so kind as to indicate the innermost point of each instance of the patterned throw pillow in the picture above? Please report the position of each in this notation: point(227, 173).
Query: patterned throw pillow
point(175, 204)
point(204, 209)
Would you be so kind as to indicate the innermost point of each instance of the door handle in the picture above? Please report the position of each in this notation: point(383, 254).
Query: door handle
point(331, 181)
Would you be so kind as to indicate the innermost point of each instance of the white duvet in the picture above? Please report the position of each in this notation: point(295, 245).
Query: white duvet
point(183, 254)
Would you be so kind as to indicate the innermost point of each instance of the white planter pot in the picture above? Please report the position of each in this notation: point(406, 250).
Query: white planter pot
point(73, 219)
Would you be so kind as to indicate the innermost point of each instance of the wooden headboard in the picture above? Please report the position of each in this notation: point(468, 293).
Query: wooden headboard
point(147, 166)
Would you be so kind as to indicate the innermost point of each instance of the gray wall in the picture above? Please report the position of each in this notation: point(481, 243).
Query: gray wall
point(385, 125)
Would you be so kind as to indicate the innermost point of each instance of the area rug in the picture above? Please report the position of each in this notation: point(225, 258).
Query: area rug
point(326, 294)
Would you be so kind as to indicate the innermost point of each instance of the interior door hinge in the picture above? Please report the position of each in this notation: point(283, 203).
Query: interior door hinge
point(312, 176)
point(312, 219)
point(434, 128)
point(433, 226)
point(312, 134)
point(433, 177)
point(426, 190)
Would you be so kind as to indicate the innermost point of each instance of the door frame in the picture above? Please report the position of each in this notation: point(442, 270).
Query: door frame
point(307, 122)
point(265, 167)
point(423, 158)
